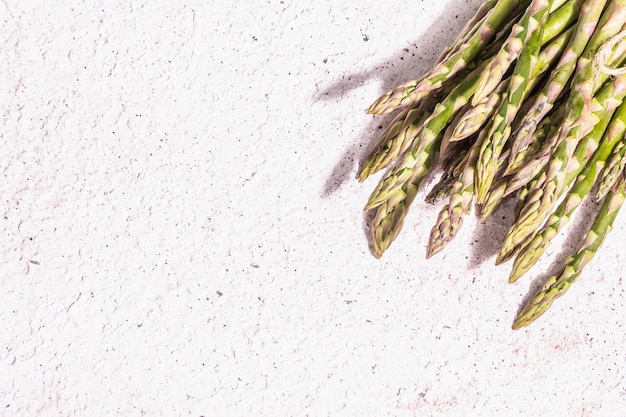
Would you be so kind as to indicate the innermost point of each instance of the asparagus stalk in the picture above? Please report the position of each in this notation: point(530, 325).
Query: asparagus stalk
point(586, 113)
point(590, 14)
point(477, 115)
point(468, 30)
point(410, 93)
point(610, 174)
point(535, 160)
point(531, 252)
point(507, 185)
point(452, 163)
point(535, 17)
point(396, 139)
point(450, 217)
point(513, 99)
point(400, 191)
point(558, 285)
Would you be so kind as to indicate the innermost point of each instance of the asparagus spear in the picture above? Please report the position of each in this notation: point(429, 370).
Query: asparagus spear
point(512, 101)
point(536, 160)
point(401, 134)
point(399, 192)
point(452, 171)
point(532, 251)
point(558, 285)
point(610, 173)
point(586, 114)
point(411, 92)
point(396, 139)
point(590, 14)
point(468, 30)
point(476, 116)
point(450, 217)
point(535, 17)
point(507, 185)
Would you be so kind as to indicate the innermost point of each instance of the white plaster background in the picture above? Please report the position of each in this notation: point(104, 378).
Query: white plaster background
point(182, 230)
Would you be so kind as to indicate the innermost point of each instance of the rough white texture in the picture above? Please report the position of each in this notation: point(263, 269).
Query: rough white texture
point(182, 230)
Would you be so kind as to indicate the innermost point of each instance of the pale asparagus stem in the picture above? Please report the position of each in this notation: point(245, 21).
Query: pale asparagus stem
point(476, 116)
point(535, 16)
point(521, 151)
point(395, 192)
point(447, 146)
point(558, 285)
point(541, 147)
point(614, 166)
point(544, 139)
point(507, 185)
point(522, 197)
point(495, 196)
point(498, 135)
point(401, 190)
point(450, 218)
point(395, 140)
point(579, 44)
point(541, 200)
point(411, 92)
point(531, 252)
point(430, 131)
point(562, 17)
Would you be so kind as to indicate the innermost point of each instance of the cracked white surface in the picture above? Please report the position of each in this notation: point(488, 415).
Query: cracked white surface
point(183, 230)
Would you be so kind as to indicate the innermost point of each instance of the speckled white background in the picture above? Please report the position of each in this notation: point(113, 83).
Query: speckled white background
point(182, 230)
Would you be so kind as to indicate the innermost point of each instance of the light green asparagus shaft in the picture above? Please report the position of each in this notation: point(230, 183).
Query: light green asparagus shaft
point(395, 140)
point(401, 191)
point(477, 115)
point(499, 133)
point(614, 166)
point(431, 130)
point(411, 92)
point(450, 217)
point(583, 115)
point(544, 141)
point(507, 185)
point(531, 252)
point(535, 17)
point(558, 285)
point(590, 14)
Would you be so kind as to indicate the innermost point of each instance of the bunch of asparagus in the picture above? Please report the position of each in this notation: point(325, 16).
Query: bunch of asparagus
point(526, 103)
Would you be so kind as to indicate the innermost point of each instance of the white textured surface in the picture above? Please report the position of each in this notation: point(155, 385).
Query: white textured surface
point(182, 232)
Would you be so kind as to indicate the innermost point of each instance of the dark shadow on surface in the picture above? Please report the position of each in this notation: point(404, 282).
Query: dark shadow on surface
point(407, 64)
